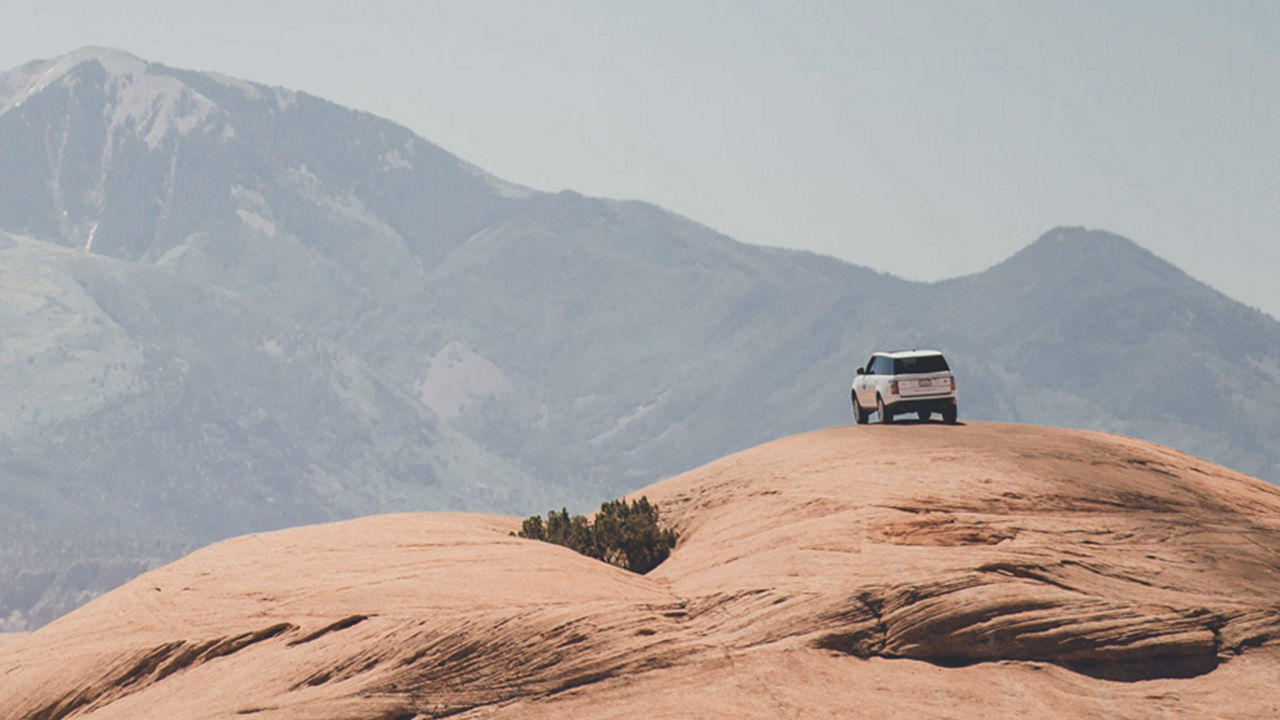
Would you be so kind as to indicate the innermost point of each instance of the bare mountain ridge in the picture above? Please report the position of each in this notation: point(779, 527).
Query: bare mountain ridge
point(899, 571)
point(246, 308)
point(144, 156)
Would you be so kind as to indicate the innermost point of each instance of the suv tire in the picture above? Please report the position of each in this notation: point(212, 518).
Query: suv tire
point(949, 415)
point(886, 417)
point(860, 416)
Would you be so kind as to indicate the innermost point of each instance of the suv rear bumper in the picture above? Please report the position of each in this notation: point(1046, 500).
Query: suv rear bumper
point(933, 404)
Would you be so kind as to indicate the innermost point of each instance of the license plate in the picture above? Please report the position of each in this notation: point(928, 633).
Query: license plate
point(926, 383)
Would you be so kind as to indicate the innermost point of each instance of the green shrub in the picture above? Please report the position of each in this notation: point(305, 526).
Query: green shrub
point(624, 534)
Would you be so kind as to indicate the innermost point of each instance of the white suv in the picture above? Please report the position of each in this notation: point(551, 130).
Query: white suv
point(894, 383)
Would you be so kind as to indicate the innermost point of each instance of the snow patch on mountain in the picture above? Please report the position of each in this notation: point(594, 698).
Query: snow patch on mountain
point(272, 349)
point(302, 178)
point(394, 159)
point(458, 376)
point(629, 417)
point(257, 222)
point(253, 210)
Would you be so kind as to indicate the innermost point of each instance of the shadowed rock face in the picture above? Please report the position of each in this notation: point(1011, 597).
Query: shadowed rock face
point(904, 570)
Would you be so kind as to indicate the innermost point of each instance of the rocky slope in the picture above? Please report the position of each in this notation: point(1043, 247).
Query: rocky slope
point(915, 570)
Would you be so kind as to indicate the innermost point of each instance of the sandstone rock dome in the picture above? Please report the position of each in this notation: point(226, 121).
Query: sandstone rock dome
point(915, 570)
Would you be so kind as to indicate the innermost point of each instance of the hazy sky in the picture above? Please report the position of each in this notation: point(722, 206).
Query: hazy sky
point(926, 139)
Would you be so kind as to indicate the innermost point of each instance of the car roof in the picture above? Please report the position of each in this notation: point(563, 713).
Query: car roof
point(908, 353)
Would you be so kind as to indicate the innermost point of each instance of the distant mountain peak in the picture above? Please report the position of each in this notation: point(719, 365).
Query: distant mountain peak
point(187, 143)
point(1081, 234)
point(1064, 247)
point(115, 60)
point(22, 83)
point(138, 97)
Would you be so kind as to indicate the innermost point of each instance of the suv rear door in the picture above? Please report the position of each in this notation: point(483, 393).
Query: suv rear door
point(922, 376)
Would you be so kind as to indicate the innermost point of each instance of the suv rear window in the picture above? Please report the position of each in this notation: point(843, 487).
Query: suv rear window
point(923, 364)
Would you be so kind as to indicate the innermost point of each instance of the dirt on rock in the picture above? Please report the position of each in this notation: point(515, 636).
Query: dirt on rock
point(915, 570)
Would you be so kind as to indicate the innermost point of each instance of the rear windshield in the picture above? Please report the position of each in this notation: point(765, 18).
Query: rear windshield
point(923, 364)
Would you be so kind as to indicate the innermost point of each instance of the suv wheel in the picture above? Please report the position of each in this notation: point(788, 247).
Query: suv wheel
point(886, 417)
point(949, 415)
point(860, 416)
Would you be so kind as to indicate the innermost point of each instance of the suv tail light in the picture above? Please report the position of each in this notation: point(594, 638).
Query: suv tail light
point(893, 387)
point(953, 382)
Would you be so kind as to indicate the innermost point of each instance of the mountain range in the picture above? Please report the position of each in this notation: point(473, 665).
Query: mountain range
point(228, 308)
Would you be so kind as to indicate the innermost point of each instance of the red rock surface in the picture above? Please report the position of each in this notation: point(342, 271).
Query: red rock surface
point(914, 570)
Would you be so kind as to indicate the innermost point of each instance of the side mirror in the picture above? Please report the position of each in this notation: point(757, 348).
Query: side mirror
point(862, 371)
